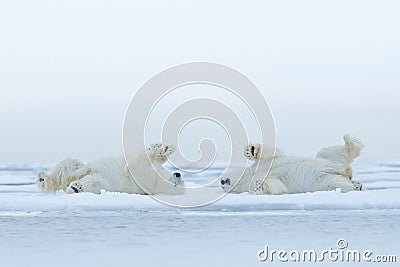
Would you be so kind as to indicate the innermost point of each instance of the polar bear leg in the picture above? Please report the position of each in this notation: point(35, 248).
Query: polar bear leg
point(166, 188)
point(345, 171)
point(76, 175)
point(91, 183)
point(332, 182)
point(344, 154)
point(353, 147)
point(156, 179)
point(274, 187)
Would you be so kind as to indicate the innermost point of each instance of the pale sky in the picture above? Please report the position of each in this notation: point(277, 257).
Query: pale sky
point(68, 69)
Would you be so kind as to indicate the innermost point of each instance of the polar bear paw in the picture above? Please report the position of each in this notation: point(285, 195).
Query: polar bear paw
point(252, 152)
point(353, 146)
point(159, 152)
point(358, 186)
point(163, 152)
point(258, 189)
point(75, 187)
point(80, 186)
point(154, 147)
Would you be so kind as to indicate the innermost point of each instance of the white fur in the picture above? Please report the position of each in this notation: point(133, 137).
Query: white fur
point(282, 174)
point(61, 176)
point(113, 175)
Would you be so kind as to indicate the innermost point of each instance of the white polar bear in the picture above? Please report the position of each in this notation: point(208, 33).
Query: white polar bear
point(328, 171)
point(113, 175)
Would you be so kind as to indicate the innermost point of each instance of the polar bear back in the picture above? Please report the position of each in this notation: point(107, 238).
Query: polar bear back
point(112, 171)
point(299, 174)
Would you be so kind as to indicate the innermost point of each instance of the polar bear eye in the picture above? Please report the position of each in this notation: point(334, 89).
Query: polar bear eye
point(41, 180)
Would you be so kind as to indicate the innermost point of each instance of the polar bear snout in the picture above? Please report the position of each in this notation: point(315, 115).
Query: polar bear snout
point(40, 181)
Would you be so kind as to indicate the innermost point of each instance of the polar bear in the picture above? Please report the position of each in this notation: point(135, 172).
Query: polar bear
point(113, 175)
point(277, 173)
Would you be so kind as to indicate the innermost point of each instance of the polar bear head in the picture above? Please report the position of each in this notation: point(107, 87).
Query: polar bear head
point(45, 184)
point(57, 178)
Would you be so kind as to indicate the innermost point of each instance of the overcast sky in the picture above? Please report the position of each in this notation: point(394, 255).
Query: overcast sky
point(68, 69)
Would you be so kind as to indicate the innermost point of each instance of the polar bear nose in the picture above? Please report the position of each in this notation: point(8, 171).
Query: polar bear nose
point(177, 175)
point(41, 180)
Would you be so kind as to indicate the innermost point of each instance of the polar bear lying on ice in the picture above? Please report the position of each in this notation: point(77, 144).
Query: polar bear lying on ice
point(330, 170)
point(113, 175)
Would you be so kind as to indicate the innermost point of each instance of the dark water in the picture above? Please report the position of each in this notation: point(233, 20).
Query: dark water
point(186, 239)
